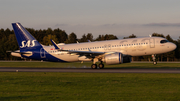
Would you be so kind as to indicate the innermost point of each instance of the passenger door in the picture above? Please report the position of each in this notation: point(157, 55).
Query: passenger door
point(152, 43)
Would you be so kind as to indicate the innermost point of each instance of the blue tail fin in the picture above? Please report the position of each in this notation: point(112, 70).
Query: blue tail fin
point(25, 39)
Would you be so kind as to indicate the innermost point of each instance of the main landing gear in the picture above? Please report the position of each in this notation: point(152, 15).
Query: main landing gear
point(154, 59)
point(94, 65)
point(101, 66)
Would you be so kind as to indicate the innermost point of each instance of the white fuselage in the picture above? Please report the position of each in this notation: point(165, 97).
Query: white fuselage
point(131, 47)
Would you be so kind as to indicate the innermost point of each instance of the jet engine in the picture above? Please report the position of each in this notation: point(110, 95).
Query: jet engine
point(116, 58)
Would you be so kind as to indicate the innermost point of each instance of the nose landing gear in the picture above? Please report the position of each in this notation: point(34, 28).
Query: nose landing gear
point(154, 59)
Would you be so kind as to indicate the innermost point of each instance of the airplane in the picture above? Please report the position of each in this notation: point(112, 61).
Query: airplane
point(109, 52)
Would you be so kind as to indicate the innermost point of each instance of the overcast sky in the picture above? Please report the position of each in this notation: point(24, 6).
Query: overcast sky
point(119, 17)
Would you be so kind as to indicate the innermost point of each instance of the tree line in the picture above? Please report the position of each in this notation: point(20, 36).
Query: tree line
point(8, 42)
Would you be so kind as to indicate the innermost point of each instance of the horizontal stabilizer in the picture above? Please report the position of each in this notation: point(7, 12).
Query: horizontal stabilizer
point(19, 52)
point(55, 45)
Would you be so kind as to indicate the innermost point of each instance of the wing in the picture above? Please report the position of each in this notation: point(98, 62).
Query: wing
point(88, 54)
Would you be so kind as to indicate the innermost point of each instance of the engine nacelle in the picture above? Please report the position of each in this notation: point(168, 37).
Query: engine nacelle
point(115, 58)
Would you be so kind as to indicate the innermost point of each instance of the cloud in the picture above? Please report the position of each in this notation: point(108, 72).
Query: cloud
point(60, 25)
point(162, 25)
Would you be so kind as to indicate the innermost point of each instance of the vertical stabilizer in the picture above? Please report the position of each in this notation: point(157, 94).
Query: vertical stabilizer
point(25, 39)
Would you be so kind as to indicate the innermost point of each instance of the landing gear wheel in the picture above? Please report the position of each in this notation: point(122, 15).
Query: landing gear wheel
point(154, 59)
point(154, 62)
point(101, 66)
point(94, 66)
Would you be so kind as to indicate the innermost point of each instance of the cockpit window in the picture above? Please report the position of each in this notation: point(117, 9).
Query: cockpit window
point(164, 41)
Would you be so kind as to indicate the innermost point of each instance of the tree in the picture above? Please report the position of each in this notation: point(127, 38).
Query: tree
point(40, 35)
point(89, 37)
point(83, 39)
point(177, 51)
point(106, 37)
point(3, 53)
point(72, 38)
point(100, 38)
point(168, 37)
point(158, 35)
point(46, 39)
point(12, 46)
point(111, 37)
point(131, 36)
point(61, 35)
point(2, 34)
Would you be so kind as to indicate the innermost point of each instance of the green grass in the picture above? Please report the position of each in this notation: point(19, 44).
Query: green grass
point(42, 64)
point(31, 86)
point(86, 65)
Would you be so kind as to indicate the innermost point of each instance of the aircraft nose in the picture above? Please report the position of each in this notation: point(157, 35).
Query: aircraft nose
point(173, 46)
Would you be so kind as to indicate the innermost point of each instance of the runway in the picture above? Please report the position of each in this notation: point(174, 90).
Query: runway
point(88, 70)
